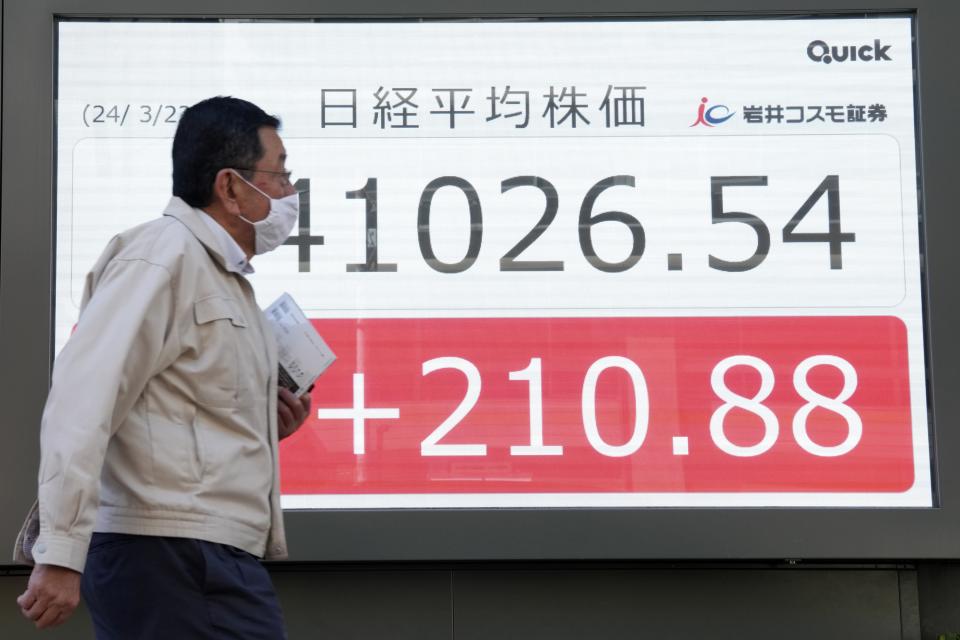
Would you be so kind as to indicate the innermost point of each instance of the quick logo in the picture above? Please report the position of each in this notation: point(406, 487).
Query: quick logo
point(820, 51)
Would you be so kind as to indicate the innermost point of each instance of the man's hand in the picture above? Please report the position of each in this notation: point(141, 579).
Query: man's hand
point(52, 594)
point(291, 411)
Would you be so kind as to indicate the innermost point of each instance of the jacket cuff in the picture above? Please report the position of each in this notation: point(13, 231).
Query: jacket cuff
point(61, 550)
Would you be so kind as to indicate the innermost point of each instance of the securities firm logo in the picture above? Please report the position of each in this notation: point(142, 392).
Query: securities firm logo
point(820, 51)
point(712, 116)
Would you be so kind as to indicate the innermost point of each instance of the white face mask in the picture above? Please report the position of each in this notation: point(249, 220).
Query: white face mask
point(272, 231)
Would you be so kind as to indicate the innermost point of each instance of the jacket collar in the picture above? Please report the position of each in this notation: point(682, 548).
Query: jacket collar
point(190, 217)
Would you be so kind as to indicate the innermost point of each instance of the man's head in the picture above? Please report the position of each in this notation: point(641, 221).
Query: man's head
point(215, 134)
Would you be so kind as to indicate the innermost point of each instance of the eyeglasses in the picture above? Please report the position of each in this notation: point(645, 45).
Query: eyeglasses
point(286, 175)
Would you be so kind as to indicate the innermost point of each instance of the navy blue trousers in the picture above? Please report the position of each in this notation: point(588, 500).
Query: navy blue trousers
point(145, 588)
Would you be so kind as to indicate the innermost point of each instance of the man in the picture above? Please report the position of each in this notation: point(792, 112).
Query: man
point(158, 475)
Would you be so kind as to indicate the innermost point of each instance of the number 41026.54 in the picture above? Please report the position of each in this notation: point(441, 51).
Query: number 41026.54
point(833, 236)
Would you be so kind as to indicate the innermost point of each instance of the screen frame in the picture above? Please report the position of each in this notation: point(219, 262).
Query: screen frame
point(26, 303)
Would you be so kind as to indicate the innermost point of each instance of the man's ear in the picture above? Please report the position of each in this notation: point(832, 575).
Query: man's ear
point(225, 191)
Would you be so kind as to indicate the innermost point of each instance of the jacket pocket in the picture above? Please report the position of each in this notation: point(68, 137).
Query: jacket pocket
point(215, 308)
point(177, 454)
point(220, 325)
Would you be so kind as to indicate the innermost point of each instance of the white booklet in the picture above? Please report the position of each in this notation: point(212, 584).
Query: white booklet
point(301, 352)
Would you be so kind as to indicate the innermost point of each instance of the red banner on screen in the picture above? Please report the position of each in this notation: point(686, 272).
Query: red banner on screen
point(607, 405)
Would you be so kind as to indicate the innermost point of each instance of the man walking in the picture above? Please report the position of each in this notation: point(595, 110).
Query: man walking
point(158, 484)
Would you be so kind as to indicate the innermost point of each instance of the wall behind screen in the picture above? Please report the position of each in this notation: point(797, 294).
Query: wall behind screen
point(25, 344)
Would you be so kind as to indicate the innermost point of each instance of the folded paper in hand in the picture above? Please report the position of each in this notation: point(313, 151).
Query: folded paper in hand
point(301, 352)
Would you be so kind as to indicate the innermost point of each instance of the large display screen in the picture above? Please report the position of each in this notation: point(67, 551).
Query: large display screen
point(562, 263)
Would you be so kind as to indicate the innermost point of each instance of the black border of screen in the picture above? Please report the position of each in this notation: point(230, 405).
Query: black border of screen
point(26, 280)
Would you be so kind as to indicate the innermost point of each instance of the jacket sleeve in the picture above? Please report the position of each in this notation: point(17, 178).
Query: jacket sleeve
point(124, 324)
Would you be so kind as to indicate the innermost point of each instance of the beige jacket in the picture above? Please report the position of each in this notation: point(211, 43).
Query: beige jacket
point(162, 416)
